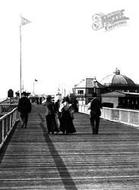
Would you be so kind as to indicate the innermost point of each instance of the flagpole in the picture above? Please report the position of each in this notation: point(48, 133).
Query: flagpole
point(20, 31)
point(34, 87)
point(35, 80)
point(24, 21)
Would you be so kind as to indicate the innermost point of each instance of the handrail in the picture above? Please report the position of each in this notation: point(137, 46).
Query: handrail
point(126, 116)
point(7, 114)
point(7, 107)
point(7, 122)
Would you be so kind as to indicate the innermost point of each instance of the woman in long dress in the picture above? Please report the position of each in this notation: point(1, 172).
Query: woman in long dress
point(66, 119)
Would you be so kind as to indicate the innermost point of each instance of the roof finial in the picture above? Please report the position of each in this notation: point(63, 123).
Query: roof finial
point(117, 71)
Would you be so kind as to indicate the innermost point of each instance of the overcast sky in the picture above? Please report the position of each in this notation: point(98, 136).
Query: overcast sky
point(59, 46)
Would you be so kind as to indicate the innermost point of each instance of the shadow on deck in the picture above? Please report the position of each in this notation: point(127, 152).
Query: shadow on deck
point(32, 159)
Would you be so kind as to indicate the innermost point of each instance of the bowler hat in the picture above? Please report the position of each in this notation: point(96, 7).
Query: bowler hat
point(49, 97)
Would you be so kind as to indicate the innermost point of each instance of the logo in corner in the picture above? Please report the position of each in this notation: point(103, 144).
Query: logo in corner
point(109, 21)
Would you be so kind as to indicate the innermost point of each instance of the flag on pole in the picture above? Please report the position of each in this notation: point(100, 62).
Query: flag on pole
point(24, 21)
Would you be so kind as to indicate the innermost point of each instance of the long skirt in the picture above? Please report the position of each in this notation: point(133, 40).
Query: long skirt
point(66, 123)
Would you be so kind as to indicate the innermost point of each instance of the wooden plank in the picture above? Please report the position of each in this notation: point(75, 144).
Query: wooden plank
point(34, 160)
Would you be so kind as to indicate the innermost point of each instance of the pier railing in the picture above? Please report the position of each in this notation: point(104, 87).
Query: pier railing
point(7, 123)
point(5, 108)
point(127, 116)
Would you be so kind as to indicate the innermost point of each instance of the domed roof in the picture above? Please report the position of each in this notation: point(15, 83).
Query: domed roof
point(116, 79)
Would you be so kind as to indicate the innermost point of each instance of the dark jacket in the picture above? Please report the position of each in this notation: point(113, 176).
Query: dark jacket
point(24, 105)
point(95, 107)
point(50, 108)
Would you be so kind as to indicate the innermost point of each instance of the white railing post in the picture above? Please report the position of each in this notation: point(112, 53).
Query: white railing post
point(116, 114)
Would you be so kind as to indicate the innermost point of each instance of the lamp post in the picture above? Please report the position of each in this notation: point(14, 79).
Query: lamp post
point(94, 83)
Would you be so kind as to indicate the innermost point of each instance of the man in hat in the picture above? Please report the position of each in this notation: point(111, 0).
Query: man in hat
point(24, 107)
point(95, 113)
point(50, 116)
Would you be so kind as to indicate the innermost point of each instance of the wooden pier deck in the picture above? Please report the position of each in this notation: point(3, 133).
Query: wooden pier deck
point(32, 159)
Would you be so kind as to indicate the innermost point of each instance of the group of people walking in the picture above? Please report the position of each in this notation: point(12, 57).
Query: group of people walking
point(60, 115)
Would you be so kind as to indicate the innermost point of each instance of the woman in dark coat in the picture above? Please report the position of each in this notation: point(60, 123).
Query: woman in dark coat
point(66, 119)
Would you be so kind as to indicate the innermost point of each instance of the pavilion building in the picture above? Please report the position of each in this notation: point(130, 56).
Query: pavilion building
point(85, 88)
point(122, 92)
point(115, 90)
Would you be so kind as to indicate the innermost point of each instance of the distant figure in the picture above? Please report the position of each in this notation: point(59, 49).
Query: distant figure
point(57, 113)
point(95, 107)
point(50, 116)
point(66, 118)
point(75, 105)
point(57, 106)
point(24, 107)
